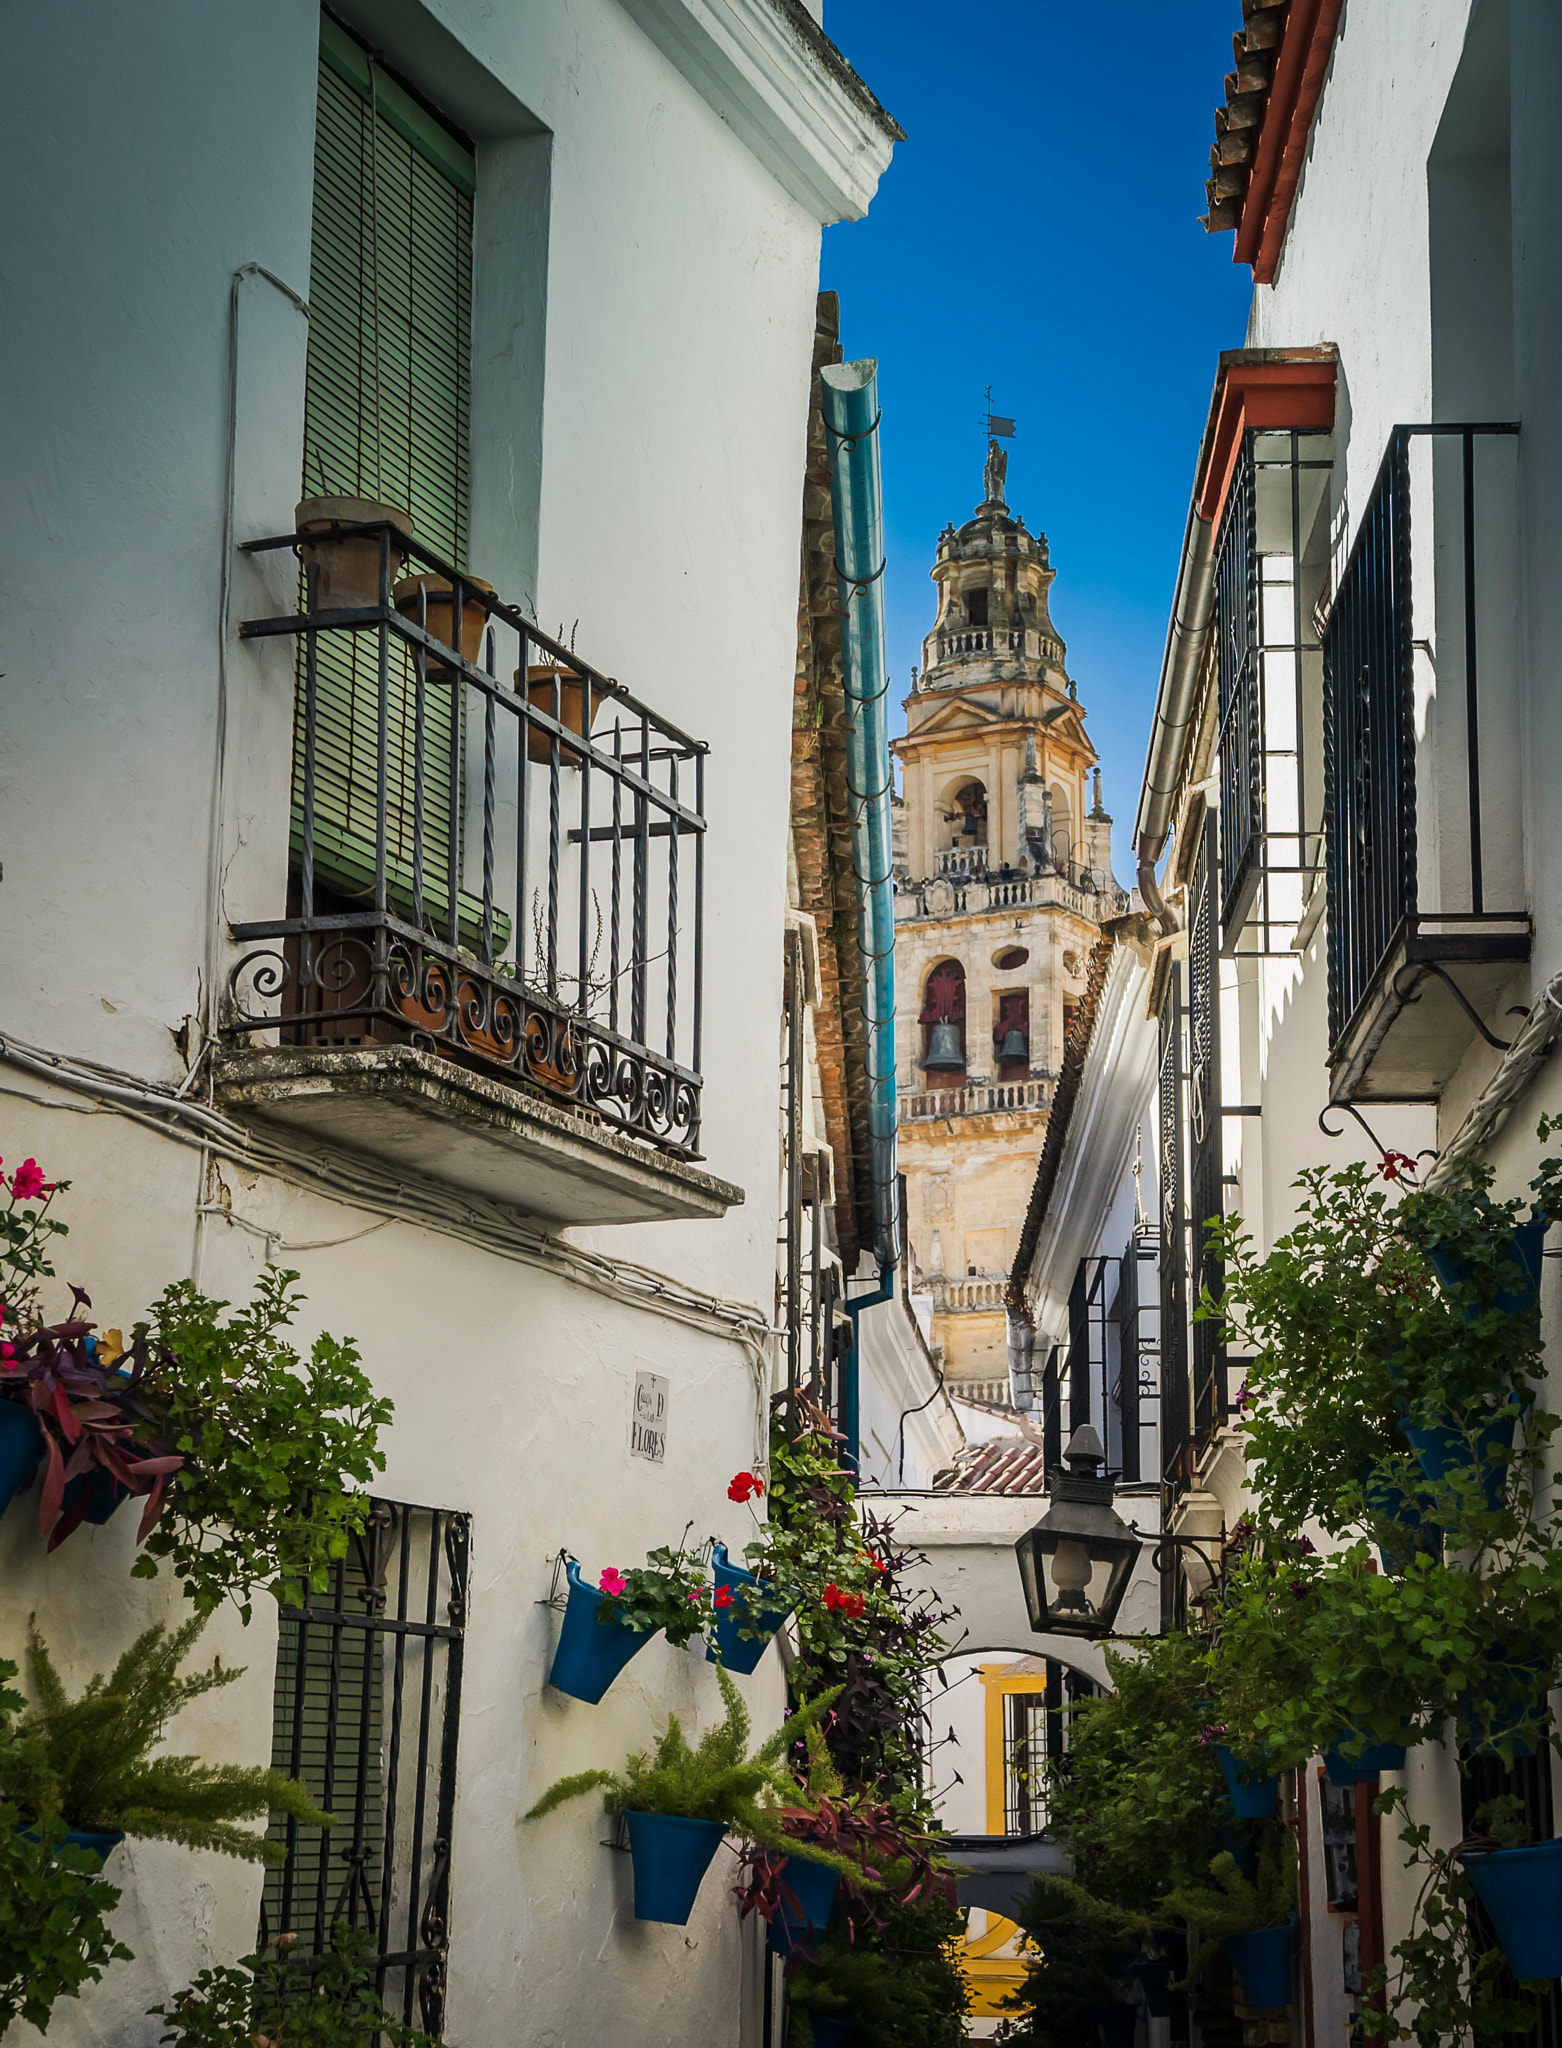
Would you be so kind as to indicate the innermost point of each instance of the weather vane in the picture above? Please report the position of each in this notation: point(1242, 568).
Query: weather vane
point(999, 427)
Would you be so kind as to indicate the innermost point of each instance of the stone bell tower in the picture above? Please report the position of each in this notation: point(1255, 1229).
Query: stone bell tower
point(1004, 877)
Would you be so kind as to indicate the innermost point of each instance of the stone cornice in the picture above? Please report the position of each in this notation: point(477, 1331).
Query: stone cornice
point(781, 85)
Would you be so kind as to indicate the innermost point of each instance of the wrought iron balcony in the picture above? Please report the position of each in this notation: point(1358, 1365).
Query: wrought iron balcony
point(1421, 826)
point(508, 874)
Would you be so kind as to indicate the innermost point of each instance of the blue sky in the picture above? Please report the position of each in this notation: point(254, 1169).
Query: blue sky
point(1038, 231)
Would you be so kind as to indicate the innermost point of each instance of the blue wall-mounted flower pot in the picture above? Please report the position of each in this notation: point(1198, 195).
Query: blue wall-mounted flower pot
point(21, 1450)
point(1156, 1980)
point(591, 1653)
point(97, 1841)
point(740, 1652)
point(1518, 1700)
point(671, 1856)
point(1252, 1797)
point(1118, 2023)
point(101, 1844)
point(1361, 1770)
point(1262, 1960)
point(1444, 1451)
point(814, 1886)
point(103, 1493)
point(830, 2033)
point(1388, 1502)
point(1522, 1891)
point(1525, 1248)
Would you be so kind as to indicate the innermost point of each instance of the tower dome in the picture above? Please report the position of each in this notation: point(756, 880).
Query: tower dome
point(993, 576)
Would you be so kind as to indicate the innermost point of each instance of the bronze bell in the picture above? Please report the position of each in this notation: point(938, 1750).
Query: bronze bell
point(1014, 1046)
point(944, 1055)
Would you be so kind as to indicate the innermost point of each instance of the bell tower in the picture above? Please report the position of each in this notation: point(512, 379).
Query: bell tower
point(1003, 882)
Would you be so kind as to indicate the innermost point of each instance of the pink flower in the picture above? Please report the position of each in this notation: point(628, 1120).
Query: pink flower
point(28, 1182)
point(694, 1598)
point(612, 1582)
point(723, 1596)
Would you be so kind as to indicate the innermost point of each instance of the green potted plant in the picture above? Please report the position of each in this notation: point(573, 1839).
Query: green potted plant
point(1253, 1919)
point(54, 1936)
point(678, 1803)
point(100, 1778)
point(273, 1998)
point(607, 1624)
point(277, 1446)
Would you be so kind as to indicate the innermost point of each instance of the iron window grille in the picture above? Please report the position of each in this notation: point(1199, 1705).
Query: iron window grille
point(1269, 563)
point(1175, 1414)
point(1093, 1354)
point(1036, 1737)
point(1138, 1388)
point(1206, 1140)
point(1408, 893)
point(557, 936)
point(367, 1714)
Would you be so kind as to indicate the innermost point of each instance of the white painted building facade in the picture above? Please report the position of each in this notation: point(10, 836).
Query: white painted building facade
point(650, 183)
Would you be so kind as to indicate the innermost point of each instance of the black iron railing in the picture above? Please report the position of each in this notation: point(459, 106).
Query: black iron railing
point(1267, 654)
point(495, 870)
point(1370, 780)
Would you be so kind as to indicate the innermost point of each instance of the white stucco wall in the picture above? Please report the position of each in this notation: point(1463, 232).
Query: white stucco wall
point(642, 332)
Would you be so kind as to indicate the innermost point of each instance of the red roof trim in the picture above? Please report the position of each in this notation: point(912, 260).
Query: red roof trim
point(1300, 68)
point(1283, 394)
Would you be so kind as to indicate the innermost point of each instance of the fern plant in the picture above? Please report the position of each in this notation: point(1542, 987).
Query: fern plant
point(105, 1779)
point(1234, 1903)
point(716, 1780)
point(54, 1933)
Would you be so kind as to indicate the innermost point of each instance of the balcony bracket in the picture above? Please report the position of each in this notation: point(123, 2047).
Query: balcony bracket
point(1459, 996)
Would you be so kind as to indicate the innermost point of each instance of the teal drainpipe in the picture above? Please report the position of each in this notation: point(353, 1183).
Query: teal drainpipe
point(851, 416)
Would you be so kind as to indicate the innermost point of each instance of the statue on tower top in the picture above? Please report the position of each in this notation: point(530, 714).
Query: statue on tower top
point(994, 474)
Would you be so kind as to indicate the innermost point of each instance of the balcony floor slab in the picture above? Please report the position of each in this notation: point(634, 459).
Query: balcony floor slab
point(425, 1116)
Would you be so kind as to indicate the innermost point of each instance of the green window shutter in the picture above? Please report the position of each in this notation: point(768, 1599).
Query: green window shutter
point(386, 416)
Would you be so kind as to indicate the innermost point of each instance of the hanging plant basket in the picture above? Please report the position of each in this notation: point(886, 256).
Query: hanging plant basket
point(1253, 1796)
point(749, 1610)
point(21, 1450)
point(1262, 1959)
point(591, 1652)
point(1376, 1758)
point(671, 1856)
point(1521, 1889)
point(813, 1885)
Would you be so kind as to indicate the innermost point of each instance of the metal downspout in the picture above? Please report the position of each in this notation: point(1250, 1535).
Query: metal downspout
point(851, 417)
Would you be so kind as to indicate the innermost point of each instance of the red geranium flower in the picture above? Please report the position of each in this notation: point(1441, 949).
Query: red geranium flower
point(849, 1604)
point(28, 1182)
point(723, 1596)
point(745, 1486)
point(1396, 1165)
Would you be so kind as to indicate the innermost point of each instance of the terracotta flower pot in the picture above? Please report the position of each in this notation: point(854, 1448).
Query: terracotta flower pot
point(439, 607)
point(349, 569)
point(573, 713)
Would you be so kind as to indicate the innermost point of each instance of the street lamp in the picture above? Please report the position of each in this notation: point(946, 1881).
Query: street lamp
point(1076, 1563)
